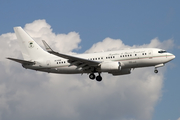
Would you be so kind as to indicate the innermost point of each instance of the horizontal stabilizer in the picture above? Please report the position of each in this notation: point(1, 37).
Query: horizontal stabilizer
point(24, 62)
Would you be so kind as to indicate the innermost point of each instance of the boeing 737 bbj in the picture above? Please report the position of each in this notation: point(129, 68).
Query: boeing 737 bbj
point(113, 62)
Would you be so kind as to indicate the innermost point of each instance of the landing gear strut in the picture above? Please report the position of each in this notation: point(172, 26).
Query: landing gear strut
point(98, 78)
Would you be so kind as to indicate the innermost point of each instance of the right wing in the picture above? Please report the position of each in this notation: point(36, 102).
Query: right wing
point(82, 63)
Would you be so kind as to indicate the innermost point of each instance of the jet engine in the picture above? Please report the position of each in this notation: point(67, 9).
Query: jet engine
point(121, 72)
point(110, 66)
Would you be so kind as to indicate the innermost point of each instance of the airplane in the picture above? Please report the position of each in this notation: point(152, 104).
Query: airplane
point(120, 62)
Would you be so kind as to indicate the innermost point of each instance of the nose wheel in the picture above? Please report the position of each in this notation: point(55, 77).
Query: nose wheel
point(155, 71)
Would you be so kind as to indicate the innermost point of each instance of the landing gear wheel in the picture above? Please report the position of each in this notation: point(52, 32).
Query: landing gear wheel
point(92, 76)
point(99, 78)
point(155, 71)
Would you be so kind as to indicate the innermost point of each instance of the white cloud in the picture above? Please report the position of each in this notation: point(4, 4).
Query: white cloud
point(40, 30)
point(115, 44)
point(178, 118)
point(27, 94)
point(108, 44)
point(167, 44)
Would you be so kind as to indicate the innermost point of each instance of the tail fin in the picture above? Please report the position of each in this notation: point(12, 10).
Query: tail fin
point(29, 48)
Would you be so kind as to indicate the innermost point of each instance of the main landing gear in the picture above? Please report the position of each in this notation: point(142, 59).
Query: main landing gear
point(98, 78)
point(92, 76)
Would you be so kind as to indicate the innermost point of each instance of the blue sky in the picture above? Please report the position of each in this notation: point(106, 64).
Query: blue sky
point(134, 22)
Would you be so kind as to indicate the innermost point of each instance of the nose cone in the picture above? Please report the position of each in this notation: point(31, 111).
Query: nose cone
point(171, 56)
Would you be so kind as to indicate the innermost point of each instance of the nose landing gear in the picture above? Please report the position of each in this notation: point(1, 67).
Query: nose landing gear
point(157, 66)
point(155, 71)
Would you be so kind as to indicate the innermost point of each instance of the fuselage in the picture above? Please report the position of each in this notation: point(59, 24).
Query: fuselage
point(130, 58)
point(113, 62)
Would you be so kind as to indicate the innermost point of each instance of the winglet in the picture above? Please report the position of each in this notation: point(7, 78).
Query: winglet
point(47, 46)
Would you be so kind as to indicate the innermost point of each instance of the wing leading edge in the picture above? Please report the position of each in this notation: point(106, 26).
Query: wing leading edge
point(82, 63)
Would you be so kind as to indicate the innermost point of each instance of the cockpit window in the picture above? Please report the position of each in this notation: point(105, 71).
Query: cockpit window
point(162, 51)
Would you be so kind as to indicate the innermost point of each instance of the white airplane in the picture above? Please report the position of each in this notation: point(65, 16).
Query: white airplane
point(113, 62)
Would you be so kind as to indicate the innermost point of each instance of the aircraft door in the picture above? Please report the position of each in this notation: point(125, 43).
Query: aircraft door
point(48, 63)
point(150, 54)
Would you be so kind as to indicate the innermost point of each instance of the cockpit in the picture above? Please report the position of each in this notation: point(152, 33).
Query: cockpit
point(162, 51)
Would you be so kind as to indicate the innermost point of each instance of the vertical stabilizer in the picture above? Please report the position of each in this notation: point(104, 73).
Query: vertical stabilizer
point(29, 48)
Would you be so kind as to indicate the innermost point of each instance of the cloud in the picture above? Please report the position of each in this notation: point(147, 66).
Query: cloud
point(178, 118)
point(40, 30)
point(167, 44)
point(27, 94)
point(107, 44)
point(114, 44)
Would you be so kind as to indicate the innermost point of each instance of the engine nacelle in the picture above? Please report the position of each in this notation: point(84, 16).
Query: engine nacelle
point(110, 66)
point(121, 72)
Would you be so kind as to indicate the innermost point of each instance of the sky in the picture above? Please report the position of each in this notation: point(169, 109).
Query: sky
point(90, 26)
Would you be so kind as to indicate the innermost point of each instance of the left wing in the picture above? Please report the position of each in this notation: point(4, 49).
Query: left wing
point(82, 63)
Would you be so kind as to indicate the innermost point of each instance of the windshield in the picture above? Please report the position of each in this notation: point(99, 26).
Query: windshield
point(162, 51)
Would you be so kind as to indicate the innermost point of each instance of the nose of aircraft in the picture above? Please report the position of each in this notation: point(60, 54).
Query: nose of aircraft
point(172, 56)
